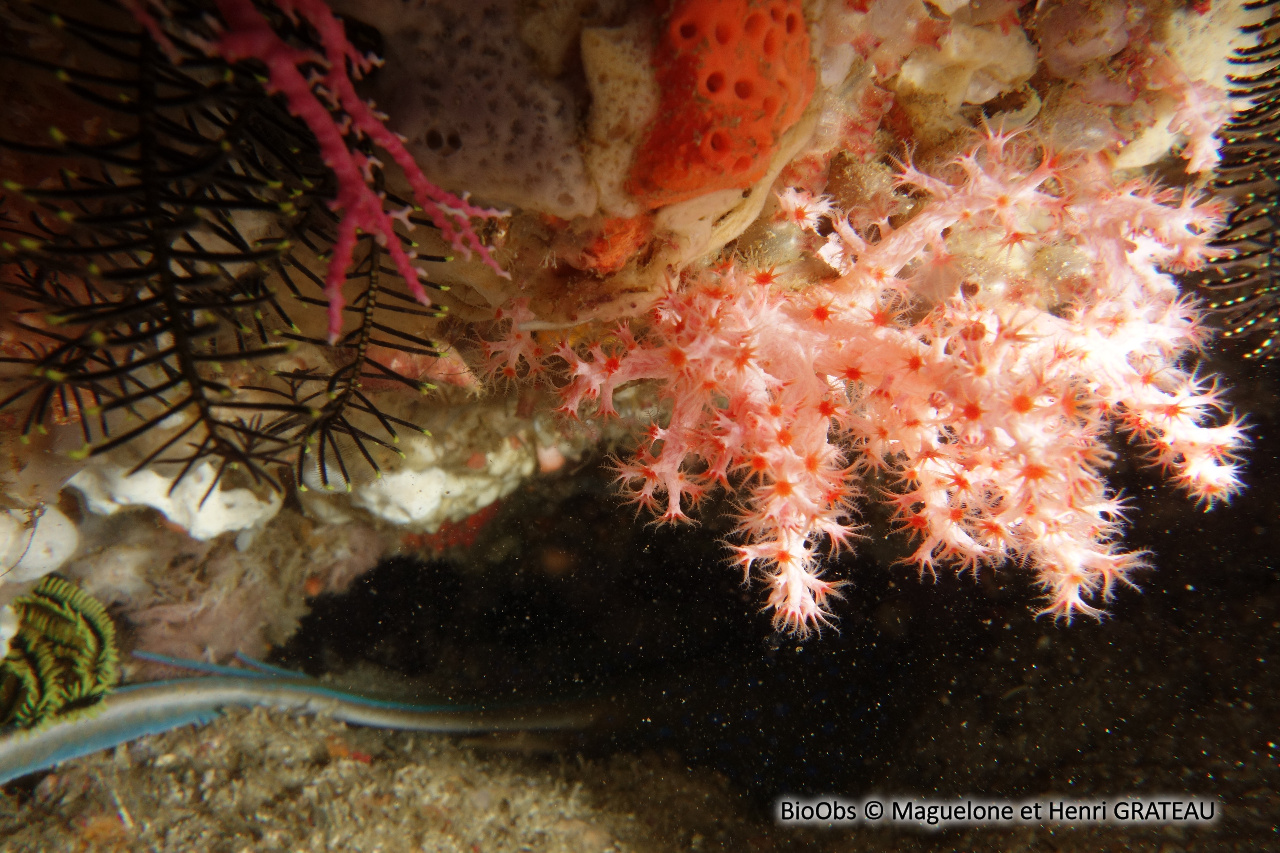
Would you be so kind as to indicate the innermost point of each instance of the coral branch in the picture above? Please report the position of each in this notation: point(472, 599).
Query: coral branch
point(249, 36)
point(327, 102)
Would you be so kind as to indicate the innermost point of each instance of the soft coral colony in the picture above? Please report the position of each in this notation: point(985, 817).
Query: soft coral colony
point(976, 348)
point(985, 390)
point(872, 250)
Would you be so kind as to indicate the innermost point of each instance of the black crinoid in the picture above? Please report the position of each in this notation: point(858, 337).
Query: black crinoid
point(1243, 288)
point(162, 252)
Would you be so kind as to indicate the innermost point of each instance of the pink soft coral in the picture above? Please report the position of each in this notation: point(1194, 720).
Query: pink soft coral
point(978, 354)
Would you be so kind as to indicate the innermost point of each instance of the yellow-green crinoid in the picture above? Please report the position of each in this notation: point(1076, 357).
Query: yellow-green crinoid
point(63, 656)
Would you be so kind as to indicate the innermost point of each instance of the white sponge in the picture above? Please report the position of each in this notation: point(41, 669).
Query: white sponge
point(192, 504)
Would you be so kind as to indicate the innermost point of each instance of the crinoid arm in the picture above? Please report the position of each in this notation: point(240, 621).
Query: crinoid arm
point(1243, 285)
point(164, 216)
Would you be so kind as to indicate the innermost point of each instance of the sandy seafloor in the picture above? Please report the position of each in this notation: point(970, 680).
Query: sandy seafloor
point(937, 690)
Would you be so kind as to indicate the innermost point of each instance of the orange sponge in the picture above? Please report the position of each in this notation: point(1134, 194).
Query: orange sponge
point(734, 74)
